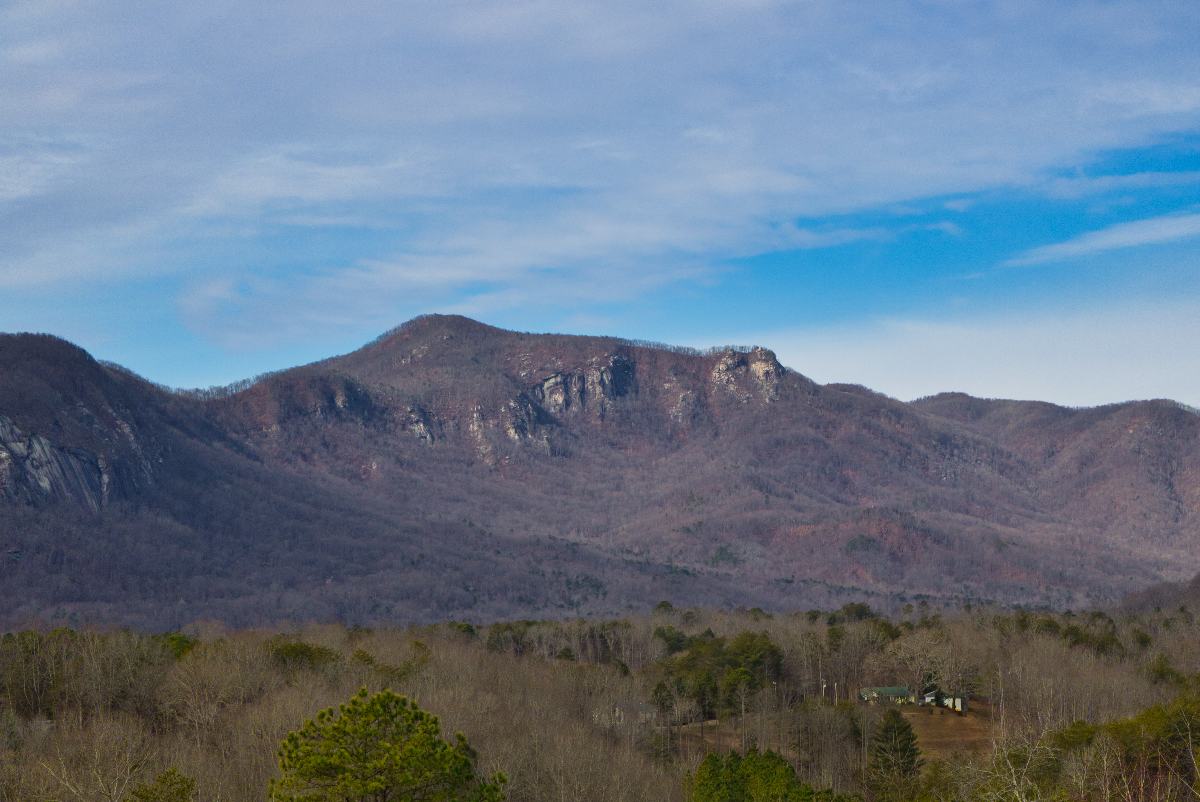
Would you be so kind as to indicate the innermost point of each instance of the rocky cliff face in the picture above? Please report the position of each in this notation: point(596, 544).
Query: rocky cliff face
point(33, 470)
point(69, 432)
point(744, 375)
point(447, 448)
point(591, 389)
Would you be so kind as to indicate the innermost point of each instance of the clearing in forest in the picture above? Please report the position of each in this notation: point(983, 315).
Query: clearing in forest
point(941, 732)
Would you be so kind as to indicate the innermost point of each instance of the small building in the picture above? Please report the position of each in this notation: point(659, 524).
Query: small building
point(955, 701)
point(895, 694)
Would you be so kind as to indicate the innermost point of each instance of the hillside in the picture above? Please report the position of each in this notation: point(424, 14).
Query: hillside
point(451, 469)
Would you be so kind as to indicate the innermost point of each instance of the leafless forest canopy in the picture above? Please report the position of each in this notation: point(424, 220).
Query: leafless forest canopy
point(1087, 706)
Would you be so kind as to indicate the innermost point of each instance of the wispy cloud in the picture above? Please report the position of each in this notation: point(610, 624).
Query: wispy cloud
point(1071, 187)
point(1152, 231)
point(28, 174)
point(489, 154)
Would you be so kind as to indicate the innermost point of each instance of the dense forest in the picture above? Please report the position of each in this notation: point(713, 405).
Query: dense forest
point(677, 705)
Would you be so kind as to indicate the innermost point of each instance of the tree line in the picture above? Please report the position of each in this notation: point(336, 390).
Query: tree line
point(683, 705)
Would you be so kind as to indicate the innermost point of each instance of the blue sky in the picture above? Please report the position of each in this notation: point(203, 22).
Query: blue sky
point(1002, 198)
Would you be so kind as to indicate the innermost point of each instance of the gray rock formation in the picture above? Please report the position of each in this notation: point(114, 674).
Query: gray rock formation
point(33, 470)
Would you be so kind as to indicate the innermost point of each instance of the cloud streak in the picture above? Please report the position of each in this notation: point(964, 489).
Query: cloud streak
point(1073, 187)
point(473, 155)
point(1133, 234)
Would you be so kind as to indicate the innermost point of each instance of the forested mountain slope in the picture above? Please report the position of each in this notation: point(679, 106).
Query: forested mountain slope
point(453, 469)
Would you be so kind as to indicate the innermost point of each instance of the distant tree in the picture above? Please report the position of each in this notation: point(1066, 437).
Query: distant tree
point(895, 759)
point(675, 640)
point(770, 778)
point(170, 786)
point(718, 675)
point(177, 643)
point(663, 699)
point(735, 686)
point(758, 654)
point(857, 611)
point(756, 777)
point(294, 655)
point(718, 779)
point(378, 748)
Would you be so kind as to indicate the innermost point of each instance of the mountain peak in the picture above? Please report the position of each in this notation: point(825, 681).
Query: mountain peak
point(436, 323)
point(26, 347)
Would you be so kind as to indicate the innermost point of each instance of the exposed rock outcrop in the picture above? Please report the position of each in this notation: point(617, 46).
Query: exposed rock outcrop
point(523, 421)
point(478, 431)
point(33, 470)
point(419, 422)
point(686, 407)
point(593, 388)
point(767, 372)
point(562, 392)
point(743, 374)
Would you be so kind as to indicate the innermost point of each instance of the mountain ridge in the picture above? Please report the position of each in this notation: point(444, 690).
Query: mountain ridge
point(639, 471)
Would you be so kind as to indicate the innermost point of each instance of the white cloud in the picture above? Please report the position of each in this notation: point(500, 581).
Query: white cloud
point(1087, 357)
point(1151, 231)
point(1072, 187)
point(1157, 97)
point(499, 144)
point(28, 174)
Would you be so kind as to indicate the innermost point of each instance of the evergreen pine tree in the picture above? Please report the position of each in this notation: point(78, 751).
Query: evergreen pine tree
point(170, 786)
point(755, 777)
point(378, 748)
point(895, 759)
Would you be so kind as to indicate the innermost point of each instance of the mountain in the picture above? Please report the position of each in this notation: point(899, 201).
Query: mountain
point(1173, 597)
point(452, 469)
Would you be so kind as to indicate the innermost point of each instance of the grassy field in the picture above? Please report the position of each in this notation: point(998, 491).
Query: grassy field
point(941, 732)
